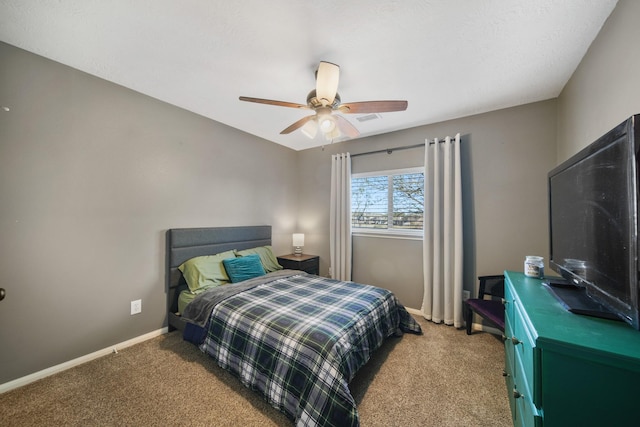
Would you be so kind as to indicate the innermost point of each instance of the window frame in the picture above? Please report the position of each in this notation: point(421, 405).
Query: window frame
point(391, 232)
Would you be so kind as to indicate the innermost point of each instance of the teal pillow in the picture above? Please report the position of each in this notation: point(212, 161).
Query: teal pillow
point(267, 258)
point(205, 271)
point(243, 268)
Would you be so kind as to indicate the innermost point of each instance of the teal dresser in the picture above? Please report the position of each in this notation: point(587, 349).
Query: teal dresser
point(564, 369)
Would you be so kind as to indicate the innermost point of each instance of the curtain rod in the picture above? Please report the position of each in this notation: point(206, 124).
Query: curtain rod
point(391, 150)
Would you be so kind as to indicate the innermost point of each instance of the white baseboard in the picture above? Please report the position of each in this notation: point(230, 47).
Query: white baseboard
point(414, 311)
point(485, 328)
point(474, 326)
point(19, 382)
point(78, 361)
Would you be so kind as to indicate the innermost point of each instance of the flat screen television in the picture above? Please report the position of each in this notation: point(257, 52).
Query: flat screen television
point(593, 227)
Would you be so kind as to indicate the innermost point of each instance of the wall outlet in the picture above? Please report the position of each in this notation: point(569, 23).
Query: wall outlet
point(136, 307)
point(465, 295)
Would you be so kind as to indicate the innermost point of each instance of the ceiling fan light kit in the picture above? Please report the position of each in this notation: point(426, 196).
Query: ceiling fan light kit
point(324, 100)
point(326, 122)
point(310, 129)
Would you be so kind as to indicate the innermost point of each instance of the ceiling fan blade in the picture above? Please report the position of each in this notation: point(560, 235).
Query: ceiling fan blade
point(327, 78)
point(346, 127)
point(298, 124)
point(373, 107)
point(272, 102)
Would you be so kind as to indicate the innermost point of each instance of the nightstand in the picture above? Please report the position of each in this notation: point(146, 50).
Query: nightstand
point(304, 262)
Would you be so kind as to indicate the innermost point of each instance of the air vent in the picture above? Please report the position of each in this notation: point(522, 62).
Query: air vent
point(368, 117)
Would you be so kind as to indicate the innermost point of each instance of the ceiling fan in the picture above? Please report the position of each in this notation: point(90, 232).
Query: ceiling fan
point(324, 100)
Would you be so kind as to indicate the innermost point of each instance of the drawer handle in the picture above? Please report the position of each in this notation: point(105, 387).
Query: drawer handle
point(515, 341)
point(505, 373)
point(517, 394)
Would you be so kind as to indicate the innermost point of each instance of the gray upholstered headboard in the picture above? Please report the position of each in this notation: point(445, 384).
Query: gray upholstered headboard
point(186, 243)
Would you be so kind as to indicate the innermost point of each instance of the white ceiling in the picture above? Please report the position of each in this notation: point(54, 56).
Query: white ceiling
point(448, 58)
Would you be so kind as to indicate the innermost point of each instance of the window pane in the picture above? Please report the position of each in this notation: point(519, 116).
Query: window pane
point(369, 202)
point(408, 201)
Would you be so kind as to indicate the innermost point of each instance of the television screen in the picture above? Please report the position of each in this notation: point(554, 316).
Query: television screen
point(593, 223)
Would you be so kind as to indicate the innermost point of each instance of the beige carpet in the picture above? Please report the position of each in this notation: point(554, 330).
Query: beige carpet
point(442, 378)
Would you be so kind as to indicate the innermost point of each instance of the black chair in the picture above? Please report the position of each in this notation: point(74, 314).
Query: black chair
point(492, 308)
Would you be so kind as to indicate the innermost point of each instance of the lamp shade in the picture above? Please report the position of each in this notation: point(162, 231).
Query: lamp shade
point(298, 239)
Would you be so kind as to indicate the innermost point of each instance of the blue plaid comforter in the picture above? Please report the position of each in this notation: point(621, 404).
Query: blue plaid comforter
point(299, 340)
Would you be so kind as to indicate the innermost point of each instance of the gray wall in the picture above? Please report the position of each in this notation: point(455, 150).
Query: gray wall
point(506, 157)
point(508, 152)
point(605, 88)
point(91, 176)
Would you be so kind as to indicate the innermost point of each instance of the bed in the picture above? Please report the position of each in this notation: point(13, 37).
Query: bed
point(296, 338)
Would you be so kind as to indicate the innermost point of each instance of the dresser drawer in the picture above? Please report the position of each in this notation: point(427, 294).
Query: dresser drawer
point(509, 356)
point(510, 387)
point(520, 350)
point(523, 345)
point(509, 303)
point(526, 413)
point(509, 367)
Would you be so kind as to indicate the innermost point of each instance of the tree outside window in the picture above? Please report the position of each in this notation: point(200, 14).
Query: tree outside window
point(389, 201)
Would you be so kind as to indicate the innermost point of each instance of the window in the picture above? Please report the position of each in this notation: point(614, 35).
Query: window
point(388, 202)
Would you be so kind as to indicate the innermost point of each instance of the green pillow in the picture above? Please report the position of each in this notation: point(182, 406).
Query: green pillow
point(205, 271)
point(243, 268)
point(267, 258)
